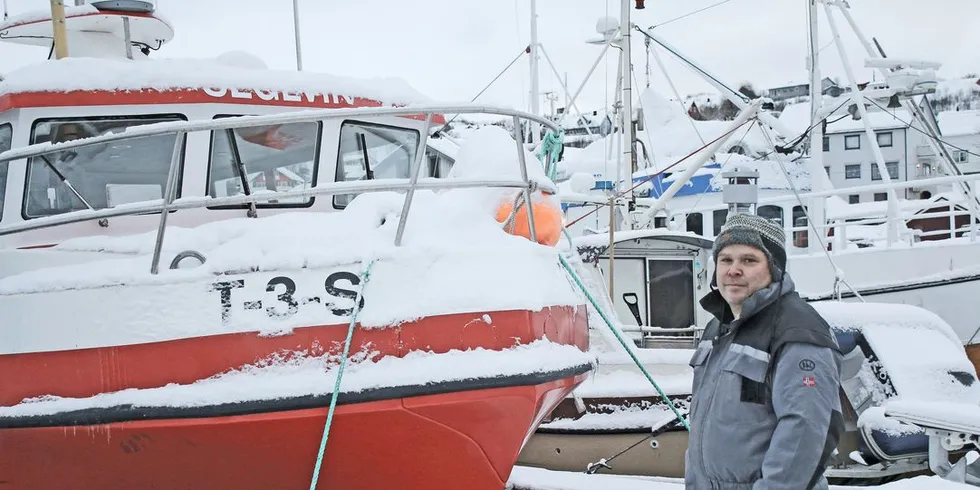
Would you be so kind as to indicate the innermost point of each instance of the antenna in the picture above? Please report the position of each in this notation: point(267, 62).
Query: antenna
point(3, 3)
point(296, 40)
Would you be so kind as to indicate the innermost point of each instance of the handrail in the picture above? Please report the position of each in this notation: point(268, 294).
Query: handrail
point(326, 189)
point(172, 127)
point(844, 191)
point(181, 128)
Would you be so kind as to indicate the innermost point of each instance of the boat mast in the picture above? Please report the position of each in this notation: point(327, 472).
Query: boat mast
point(627, 98)
point(60, 36)
point(535, 109)
point(818, 179)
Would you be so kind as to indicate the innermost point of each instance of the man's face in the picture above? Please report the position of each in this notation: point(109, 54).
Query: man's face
point(68, 132)
point(741, 270)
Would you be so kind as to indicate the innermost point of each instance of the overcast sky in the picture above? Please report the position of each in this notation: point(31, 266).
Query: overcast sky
point(450, 49)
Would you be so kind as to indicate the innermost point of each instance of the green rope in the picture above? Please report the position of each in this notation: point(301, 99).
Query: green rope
point(340, 373)
point(578, 281)
point(549, 150)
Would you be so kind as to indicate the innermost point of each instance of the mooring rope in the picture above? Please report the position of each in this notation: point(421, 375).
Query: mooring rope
point(365, 276)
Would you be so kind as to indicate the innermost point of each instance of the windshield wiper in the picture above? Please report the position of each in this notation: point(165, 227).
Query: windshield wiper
point(65, 181)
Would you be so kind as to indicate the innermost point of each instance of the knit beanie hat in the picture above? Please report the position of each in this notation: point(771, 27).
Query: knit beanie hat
point(755, 231)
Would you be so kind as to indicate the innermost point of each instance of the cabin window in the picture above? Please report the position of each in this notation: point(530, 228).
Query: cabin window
point(101, 175)
point(852, 142)
point(884, 139)
point(274, 158)
point(718, 219)
point(852, 171)
point(695, 223)
point(6, 134)
point(373, 151)
point(772, 213)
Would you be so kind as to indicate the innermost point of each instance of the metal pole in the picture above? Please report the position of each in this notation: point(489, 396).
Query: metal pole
point(612, 245)
point(127, 38)
point(934, 137)
point(168, 199)
point(588, 75)
point(296, 37)
point(564, 87)
point(627, 73)
point(858, 99)
point(416, 170)
point(527, 190)
point(60, 36)
point(535, 109)
point(3, 4)
point(699, 162)
point(731, 94)
point(820, 180)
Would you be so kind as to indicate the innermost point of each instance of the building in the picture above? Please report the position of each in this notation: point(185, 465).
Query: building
point(587, 128)
point(961, 132)
point(828, 87)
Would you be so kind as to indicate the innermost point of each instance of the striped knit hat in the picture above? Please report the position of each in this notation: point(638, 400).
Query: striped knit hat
point(758, 232)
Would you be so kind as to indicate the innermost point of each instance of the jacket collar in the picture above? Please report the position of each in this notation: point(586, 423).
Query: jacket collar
point(715, 304)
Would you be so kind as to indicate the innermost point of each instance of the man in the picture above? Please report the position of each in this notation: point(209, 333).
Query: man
point(765, 413)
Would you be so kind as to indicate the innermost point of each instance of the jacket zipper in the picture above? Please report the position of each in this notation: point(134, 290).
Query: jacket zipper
point(714, 389)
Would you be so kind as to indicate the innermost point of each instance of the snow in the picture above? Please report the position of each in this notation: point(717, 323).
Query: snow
point(173, 74)
point(668, 135)
point(526, 478)
point(920, 354)
point(619, 418)
point(42, 15)
point(626, 383)
point(959, 123)
point(304, 375)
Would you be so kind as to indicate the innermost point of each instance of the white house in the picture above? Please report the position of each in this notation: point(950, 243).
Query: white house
point(849, 160)
point(961, 132)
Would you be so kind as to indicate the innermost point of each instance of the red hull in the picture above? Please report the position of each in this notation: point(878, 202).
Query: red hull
point(461, 439)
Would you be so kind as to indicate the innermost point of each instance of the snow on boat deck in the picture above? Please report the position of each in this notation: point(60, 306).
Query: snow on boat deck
point(525, 478)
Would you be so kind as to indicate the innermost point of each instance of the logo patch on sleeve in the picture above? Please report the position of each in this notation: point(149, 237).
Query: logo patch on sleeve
point(809, 381)
point(808, 365)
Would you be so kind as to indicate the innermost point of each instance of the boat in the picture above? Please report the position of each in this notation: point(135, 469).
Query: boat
point(651, 256)
point(224, 276)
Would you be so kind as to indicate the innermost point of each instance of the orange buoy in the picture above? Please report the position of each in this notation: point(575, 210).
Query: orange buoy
point(547, 221)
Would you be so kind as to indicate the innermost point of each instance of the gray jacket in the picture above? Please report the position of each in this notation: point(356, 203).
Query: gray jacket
point(766, 412)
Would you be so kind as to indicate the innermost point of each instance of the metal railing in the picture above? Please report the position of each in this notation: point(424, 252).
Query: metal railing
point(840, 224)
point(181, 128)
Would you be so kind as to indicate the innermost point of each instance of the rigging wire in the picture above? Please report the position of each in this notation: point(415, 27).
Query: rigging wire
point(651, 176)
point(838, 273)
point(524, 51)
point(691, 13)
point(910, 125)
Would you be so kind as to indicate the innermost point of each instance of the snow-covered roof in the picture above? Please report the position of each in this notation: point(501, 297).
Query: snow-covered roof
point(959, 123)
point(958, 87)
point(227, 72)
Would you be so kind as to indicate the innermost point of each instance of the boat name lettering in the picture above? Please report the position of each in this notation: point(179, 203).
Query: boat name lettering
point(286, 302)
point(311, 97)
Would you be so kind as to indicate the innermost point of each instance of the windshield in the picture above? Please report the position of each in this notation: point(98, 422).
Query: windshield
point(389, 152)
point(101, 175)
point(274, 158)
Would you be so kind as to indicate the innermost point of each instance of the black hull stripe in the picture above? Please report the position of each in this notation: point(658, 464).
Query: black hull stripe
point(896, 289)
point(128, 413)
